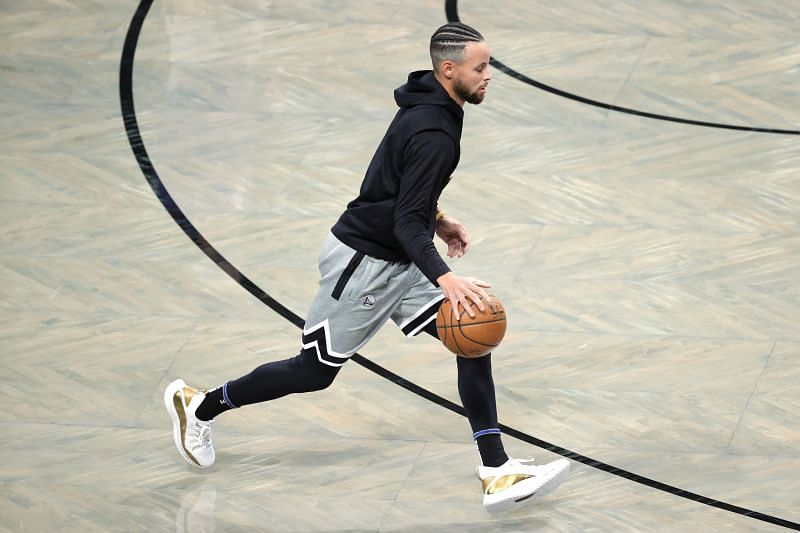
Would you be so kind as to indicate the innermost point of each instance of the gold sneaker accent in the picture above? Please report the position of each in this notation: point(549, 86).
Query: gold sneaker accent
point(192, 436)
point(181, 402)
point(494, 485)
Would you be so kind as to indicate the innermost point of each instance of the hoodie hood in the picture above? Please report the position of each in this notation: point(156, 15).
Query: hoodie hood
point(422, 88)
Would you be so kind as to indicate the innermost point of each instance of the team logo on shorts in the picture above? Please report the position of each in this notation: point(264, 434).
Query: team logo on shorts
point(368, 301)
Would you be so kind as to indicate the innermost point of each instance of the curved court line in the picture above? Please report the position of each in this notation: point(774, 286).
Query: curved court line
point(451, 12)
point(149, 171)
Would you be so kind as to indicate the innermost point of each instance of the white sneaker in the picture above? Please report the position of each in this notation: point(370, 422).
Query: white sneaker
point(517, 482)
point(192, 435)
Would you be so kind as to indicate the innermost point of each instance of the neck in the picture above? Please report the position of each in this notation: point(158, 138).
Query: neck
point(448, 86)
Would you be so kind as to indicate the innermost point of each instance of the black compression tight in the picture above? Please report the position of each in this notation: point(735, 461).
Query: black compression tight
point(305, 373)
point(476, 389)
point(302, 373)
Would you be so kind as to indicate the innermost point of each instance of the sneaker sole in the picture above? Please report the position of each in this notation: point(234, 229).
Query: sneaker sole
point(546, 488)
point(169, 395)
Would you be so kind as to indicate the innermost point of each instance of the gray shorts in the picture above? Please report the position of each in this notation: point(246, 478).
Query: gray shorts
point(357, 295)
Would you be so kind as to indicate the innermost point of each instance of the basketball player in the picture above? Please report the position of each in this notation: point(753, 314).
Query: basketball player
point(379, 263)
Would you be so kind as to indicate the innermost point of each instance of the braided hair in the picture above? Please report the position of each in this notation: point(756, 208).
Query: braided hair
point(449, 42)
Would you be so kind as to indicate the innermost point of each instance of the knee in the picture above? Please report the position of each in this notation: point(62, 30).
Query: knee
point(318, 375)
point(322, 380)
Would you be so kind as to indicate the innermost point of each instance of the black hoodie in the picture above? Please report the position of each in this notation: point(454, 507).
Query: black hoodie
point(393, 217)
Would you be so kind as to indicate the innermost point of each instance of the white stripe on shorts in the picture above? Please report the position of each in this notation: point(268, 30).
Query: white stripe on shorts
point(416, 315)
point(338, 359)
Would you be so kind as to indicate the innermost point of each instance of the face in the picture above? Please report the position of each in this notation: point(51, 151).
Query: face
point(471, 76)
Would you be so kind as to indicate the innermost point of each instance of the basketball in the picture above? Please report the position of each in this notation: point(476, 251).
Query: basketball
point(472, 337)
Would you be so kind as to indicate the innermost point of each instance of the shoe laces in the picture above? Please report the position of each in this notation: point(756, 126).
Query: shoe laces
point(526, 465)
point(202, 431)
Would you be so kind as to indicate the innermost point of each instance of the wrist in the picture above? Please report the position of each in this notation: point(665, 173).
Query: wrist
point(444, 278)
point(440, 213)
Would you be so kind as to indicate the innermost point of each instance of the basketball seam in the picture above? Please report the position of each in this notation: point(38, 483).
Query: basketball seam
point(473, 323)
point(451, 341)
point(461, 331)
point(464, 334)
point(481, 343)
point(459, 351)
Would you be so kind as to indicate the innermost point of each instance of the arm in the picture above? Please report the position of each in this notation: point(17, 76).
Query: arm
point(426, 158)
point(458, 289)
point(453, 233)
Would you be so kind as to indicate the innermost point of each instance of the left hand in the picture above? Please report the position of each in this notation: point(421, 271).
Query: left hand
point(454, 234)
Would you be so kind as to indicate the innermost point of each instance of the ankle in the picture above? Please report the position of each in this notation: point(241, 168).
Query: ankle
point(212, 405)
point(490, 448)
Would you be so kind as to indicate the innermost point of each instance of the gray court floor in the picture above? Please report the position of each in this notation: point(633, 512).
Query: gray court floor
point(649, 268)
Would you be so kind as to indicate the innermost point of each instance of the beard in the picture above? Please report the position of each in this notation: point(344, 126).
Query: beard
point(475, 97)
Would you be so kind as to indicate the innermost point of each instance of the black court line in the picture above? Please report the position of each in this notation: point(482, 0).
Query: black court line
point(149, 171)
point(451, 12)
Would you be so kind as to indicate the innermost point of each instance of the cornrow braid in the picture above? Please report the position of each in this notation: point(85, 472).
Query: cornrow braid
point(449, 42)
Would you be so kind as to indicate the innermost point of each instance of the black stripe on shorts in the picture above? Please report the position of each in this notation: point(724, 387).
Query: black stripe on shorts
point(347, 274)
point(316, 339)
point(422, 319)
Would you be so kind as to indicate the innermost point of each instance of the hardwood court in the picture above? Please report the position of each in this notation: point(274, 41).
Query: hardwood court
point(650, 269)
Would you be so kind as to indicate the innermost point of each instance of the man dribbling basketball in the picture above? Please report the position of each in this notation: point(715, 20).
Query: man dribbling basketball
point(379, 263)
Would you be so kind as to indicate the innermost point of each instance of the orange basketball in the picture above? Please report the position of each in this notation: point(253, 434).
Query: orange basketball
point(472, 337)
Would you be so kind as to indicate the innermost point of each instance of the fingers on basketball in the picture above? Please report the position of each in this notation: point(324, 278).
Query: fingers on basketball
point(472, 336)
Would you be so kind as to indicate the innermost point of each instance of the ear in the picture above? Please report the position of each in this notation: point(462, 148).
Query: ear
point(446, 68)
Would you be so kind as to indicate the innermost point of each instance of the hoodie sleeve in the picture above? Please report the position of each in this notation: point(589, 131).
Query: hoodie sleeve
point(427, 159)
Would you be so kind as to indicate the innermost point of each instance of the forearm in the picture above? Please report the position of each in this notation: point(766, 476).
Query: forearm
point(419, 247)
point(427, 158)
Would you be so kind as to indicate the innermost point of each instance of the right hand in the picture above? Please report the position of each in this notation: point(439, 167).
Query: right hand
point(464, 291)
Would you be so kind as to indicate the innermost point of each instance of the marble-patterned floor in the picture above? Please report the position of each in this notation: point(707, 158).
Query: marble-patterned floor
point(650, 269)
